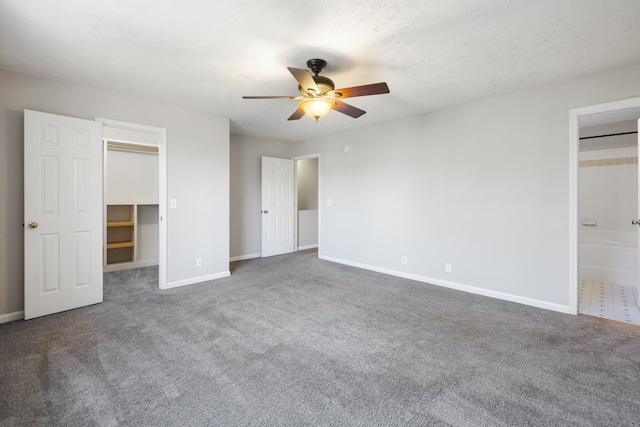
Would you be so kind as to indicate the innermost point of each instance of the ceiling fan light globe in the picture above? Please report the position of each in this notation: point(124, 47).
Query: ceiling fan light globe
point(317, 107)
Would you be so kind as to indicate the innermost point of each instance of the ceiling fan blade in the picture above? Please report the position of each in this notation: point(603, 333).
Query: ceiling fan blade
point(269, 97)
point(372, 89)
point(304, 78)
point(297, 114)
point(347, 109)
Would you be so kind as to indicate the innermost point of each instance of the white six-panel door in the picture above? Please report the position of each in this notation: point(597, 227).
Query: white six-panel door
point(277, 206)
point(63, 213)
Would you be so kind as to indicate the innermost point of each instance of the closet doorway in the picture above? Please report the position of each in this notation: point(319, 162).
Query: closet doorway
point(135, 230)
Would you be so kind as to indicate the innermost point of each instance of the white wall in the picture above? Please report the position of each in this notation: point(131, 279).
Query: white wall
point(617, 141)
point(131, 177)
point(609, 190)
point(483, 186)
point(198, 176)
point(245, 220)
point(307, 229)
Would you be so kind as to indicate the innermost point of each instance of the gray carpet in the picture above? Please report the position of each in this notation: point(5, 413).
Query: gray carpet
point(292, 340)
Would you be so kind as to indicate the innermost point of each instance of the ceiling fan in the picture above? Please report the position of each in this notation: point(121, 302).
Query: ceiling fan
point(319, 95)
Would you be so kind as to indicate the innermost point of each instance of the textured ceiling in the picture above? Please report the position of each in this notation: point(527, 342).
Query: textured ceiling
point(206, 54)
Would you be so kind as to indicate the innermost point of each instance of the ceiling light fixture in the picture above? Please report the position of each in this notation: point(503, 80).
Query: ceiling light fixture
point(318, 94)
point(317, 107)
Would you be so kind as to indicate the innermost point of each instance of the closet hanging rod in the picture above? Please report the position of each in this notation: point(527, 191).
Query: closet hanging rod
point(611, 134)
point(132, 147)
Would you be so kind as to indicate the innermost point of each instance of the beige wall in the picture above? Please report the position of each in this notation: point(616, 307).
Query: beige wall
point(483, 186)
point(307, 182)
point(198, 174)
point(245, 220)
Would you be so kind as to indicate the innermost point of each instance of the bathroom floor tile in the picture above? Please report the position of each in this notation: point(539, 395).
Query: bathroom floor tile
point(609, 301)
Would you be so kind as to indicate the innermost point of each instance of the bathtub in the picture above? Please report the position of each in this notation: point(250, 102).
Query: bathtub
point(609, 257)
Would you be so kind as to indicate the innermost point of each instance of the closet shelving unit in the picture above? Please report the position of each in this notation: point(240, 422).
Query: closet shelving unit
point(120, 242)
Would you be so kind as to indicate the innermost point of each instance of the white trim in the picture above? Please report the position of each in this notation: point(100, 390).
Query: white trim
point(244, 257)
point(195, 280)
point(128, 125)
point(457, 286)
point(295, 205)
point(162, 188)
point(574, 189)
point(307, 156)
point(574, 133)
point(302, 248)
point(10, 317)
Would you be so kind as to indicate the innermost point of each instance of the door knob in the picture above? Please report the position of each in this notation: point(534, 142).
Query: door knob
point(634, 222)
point(33, 224)
point(265, 211)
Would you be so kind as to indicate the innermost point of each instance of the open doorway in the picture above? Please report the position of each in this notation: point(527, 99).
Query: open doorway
point(604, 258)
point(134, 197)
point(307, 188)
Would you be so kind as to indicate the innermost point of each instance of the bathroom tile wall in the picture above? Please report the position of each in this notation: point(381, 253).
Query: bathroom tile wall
point(609, 189)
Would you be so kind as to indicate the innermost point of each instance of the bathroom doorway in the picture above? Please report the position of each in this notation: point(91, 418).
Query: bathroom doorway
point(605, 146)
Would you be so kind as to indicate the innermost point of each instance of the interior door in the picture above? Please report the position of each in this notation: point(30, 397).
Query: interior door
point(638, 230)
point(277, 206)
point(63, 213)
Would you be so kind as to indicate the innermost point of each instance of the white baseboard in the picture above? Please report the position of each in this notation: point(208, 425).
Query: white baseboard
point(302, 248)
point(458, 286)
point(199, 279)
point(10, 317)
point(244, 257)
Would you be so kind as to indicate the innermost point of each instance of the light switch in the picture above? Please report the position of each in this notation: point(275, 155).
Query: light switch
point(173, 203)
point(329, 202)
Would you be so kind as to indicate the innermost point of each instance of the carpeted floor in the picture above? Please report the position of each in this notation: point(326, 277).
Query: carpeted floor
point(295, 341)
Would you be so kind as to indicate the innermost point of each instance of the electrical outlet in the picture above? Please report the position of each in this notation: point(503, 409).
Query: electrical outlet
point(404, 260)
point(198, 262)
point(447, 268)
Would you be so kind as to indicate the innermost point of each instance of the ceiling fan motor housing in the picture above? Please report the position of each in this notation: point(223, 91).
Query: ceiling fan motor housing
point(324, 84)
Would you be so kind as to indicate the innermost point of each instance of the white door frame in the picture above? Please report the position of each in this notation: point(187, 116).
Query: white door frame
point(574, 221)
point(295, 190)
point(162, 187)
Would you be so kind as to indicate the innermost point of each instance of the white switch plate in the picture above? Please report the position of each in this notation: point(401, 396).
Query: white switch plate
point(198, 262)
point(173, 203)
point(447, 268)
point(329, 202)
point(404, 260)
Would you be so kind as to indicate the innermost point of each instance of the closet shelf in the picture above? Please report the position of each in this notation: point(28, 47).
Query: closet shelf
point(116, 245)
point(120, 224)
